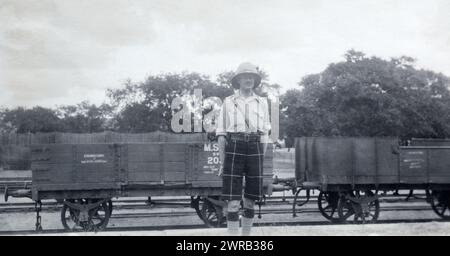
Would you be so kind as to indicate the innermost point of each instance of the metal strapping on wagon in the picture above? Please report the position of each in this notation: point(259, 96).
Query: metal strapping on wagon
point(376, 164)
point(353, 163)
point(162, 163)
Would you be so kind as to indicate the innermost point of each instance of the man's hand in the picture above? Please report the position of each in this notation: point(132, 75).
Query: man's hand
point(222, 143)
point(264, 142)
point(264, 146)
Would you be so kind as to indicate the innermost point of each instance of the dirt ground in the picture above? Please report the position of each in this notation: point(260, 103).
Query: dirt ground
point(400, 229)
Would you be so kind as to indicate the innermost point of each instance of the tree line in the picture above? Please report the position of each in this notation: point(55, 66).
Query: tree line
point(369, 96)
point(360, 96)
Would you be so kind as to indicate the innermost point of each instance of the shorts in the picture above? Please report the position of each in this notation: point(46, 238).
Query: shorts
point(243, 159)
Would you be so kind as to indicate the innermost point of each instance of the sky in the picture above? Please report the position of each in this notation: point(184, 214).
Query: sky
point(65, 51)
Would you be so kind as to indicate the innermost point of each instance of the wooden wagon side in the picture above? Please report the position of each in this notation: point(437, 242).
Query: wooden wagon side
point(349, 171)
point(61, 171)
point(128, 169)
point(334, 162)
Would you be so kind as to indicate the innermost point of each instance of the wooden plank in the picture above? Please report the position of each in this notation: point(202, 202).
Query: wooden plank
point(365, 158)
point(174, 167)
point(175, 176)
point(76, 186)
point(439, 162)
point(332, 156)
point(413, 179)
point(387, 161)
point(76, 177)
point(94, 179)
point(144, 167)
point(109, 167)
point(80, 158)
point(53, 177)
point(439, 179)
point(155, 177)
point(174, 148)
point(154, 156)
point(74, 173)
point(144, 176)
point(346, 180)
point(201, 176)
point(148, 148)
point(208, 183)
point(371, 179)
point(388, 179)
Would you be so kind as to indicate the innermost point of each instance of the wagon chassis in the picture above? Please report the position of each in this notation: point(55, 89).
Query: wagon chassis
point(80, 208)
point(339, 202)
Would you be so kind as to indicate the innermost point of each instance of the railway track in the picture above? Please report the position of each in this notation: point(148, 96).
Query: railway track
point(273, 206)
point(288, 211)
point(277, 205)
point(198, 226)
point(134, 204)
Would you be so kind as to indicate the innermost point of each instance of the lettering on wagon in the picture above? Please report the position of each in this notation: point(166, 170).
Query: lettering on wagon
point(415, 152)
point(93, 159)
point(414, 163)
point(212, 161)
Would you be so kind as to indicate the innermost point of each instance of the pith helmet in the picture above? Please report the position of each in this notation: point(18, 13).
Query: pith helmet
point(246, 68)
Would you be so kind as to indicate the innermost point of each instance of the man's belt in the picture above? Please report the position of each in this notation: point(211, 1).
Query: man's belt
point(246, 137)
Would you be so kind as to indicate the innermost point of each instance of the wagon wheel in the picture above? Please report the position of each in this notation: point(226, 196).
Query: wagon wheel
point(328, 204)
point(97, 218)
point(110, 207)
point(363, 208)
point(440, 202)
point(70, 216)
point(209, 213)
point(345, 208)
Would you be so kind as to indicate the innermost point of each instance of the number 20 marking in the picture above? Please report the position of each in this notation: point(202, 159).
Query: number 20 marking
point(213, 160)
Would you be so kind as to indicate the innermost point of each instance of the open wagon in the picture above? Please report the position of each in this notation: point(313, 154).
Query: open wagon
point(350, 171)
point(84, 177)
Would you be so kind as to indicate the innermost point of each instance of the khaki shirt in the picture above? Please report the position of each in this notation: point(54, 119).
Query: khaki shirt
point(236, 107)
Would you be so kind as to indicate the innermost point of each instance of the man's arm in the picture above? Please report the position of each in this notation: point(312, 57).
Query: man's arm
point(221, 133)
point(222, 143)
point(265, 139)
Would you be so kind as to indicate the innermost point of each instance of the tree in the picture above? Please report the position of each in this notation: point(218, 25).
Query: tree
point(85, 117)
point(37, 119)
point(146, 106)
point(365, 96)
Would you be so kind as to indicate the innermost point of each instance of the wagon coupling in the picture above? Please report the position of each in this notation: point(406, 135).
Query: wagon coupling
point(283, 184)
point(308, 196)
point(277, 180)
point(279, 187)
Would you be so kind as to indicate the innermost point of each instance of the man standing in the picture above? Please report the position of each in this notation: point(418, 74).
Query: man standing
point(243, 126)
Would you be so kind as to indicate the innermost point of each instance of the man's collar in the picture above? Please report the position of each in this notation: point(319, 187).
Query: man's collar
point(238, 95)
